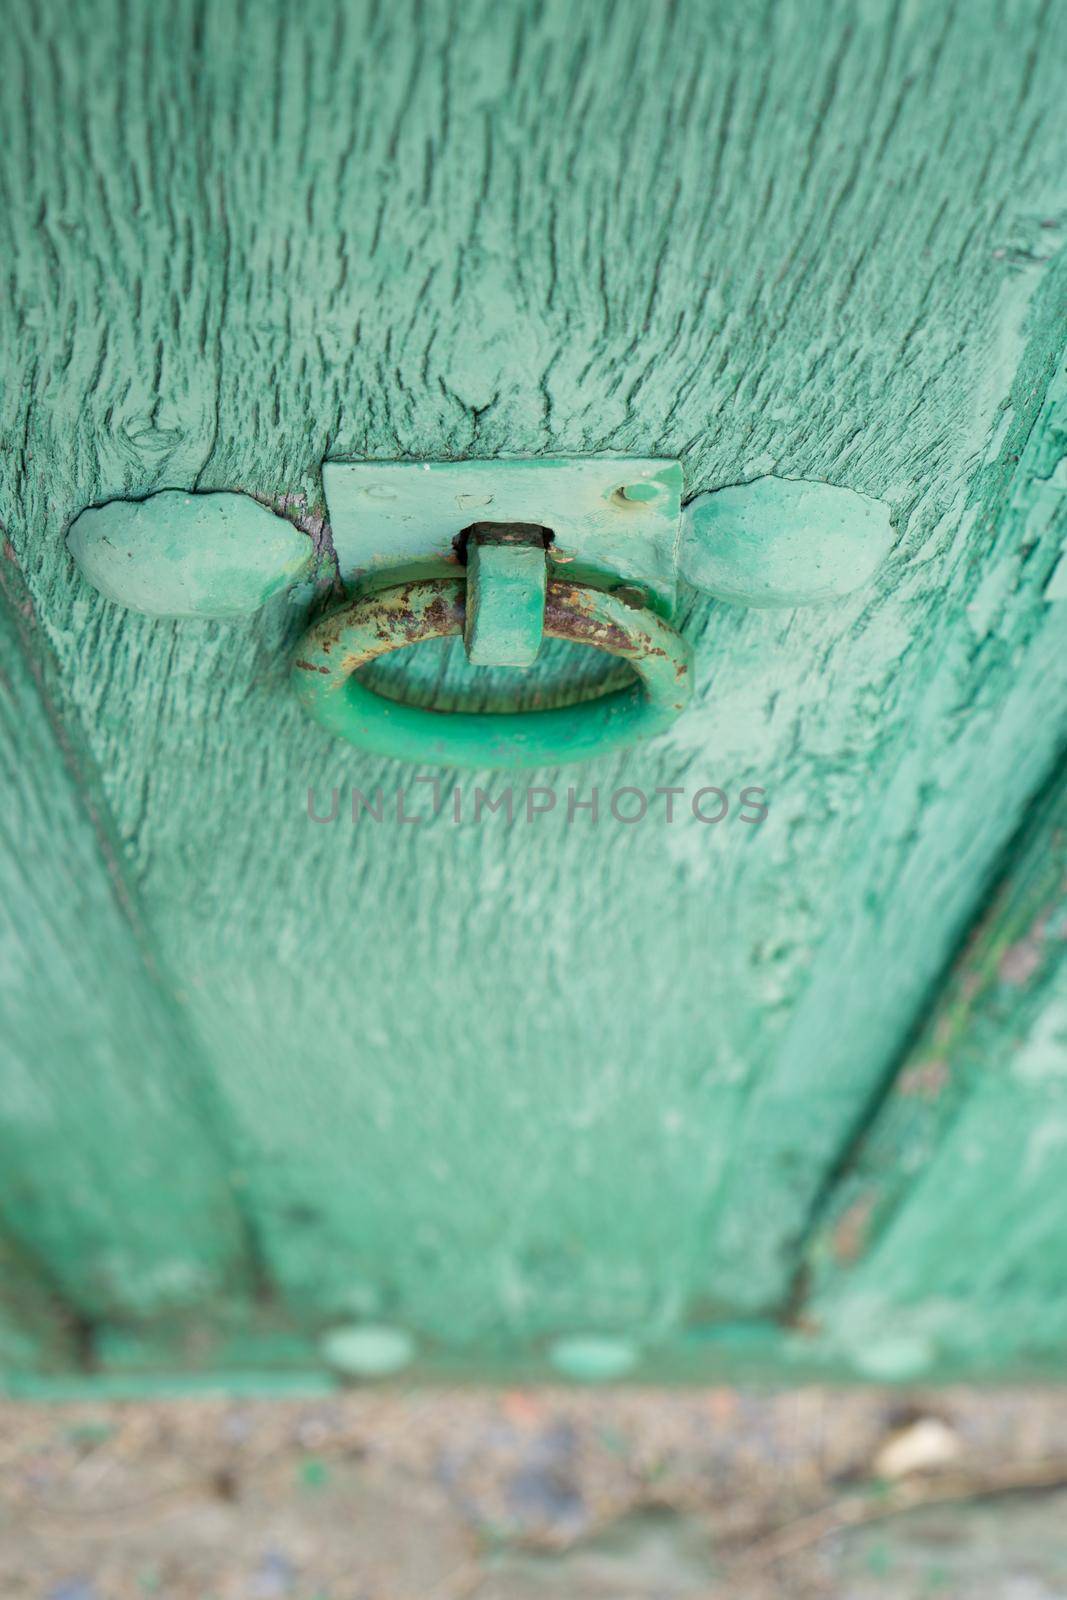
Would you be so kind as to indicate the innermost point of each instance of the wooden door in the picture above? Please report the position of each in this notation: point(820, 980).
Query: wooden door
point(557, 1095)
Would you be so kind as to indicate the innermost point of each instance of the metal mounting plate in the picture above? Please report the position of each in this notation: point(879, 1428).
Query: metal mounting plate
point(614, 520)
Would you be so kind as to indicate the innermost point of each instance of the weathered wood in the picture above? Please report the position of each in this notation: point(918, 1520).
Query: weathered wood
point(943, 1245)
point(964, 730)
point(109, 1170)
point(509, 1081)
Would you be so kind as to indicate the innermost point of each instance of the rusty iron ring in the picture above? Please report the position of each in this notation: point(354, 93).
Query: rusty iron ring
point(333, 650)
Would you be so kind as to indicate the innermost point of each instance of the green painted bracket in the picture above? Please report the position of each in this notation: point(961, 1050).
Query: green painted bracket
point(580, 549)
point(606, 524)
point(507, 575)
point(614, 520)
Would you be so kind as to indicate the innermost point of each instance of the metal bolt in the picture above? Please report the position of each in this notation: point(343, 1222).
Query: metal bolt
point(640, 493)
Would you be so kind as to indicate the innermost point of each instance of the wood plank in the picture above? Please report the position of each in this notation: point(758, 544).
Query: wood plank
point(944, 1244)
point(986, 717)
point(495, 1082)
point(109, 1170)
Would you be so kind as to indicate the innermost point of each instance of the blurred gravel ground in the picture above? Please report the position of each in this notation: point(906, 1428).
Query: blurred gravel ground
point(622, 1494)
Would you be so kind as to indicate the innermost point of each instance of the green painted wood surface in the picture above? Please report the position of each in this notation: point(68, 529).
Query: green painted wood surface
point(110, 1168)
point(944, 1243)
point(503, 1084)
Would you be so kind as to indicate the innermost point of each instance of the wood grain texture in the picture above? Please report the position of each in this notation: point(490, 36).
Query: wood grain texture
point(943, 1245)
point(493, 1082)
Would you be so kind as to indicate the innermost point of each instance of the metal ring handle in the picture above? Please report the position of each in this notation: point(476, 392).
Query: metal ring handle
point(334, 649)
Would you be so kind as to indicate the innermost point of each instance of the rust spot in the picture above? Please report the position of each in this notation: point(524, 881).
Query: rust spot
point(309, 666)
point(1021, 960)
point(850, 1235)
point(563, 622)
point(971, 984)
point(925, 1079)
point(438, 614)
